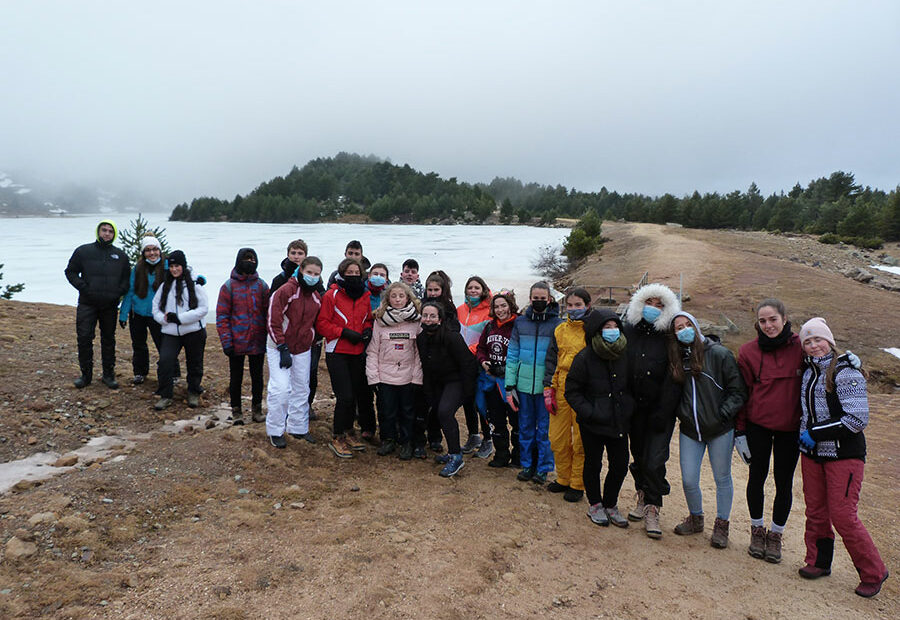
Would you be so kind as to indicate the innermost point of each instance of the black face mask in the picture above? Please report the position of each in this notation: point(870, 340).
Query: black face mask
point(539, 305)
point(246, 267)
point(354, 285)
point(430, 328)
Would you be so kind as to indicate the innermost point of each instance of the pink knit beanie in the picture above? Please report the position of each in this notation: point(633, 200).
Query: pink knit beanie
point(816, 326)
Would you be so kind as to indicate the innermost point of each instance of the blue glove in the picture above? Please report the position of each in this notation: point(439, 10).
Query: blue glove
point(854, 360)
point(807, 441)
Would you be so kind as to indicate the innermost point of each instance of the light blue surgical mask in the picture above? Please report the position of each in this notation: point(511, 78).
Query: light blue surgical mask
point(686, 335)
point(610, 334)
point(473, 301)
point(153, 262)
point(310, 280)
point(576, 314)
point(651, 313)
point(377, 281)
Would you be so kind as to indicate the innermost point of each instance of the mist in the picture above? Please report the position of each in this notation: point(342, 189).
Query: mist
point(176, 100)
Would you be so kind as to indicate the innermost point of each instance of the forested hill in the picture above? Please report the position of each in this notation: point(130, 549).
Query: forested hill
point(329, 188)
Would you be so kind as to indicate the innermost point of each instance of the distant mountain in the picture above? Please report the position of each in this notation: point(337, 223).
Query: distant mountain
point(23, 194)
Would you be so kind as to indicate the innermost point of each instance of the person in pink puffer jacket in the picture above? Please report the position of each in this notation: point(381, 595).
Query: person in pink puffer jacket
point(393, 367)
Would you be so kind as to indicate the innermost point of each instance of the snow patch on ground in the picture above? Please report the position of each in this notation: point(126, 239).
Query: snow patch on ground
point(893, 351)
point(888, 268)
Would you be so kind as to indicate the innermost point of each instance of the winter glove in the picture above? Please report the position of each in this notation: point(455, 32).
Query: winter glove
point(367, 335)
point(550, 400)
point(286, 360)
point(743, 450)
point(122, 324)
point(201, 280)
point(171, 317)
point(353, 337)
point(512, 398)
point(807, 441)
point(854, 360)
point(229, 351)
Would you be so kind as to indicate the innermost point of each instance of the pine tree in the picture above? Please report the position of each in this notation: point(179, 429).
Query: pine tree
point(10, 289)
point(139, 228)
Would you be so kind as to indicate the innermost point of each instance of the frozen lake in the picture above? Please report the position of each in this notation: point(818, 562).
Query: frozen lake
point(35, 250)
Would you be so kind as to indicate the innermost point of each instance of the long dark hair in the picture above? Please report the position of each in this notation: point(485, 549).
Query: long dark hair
point(443, 280)
point(141, 272)
point(181, 281)
point(676, 356)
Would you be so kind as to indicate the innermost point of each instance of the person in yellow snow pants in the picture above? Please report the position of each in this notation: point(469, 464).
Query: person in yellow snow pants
point(565, 438)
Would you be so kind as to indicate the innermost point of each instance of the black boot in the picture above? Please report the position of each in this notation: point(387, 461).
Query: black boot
point(110, 382)
point(83, 381)
point(501, 459)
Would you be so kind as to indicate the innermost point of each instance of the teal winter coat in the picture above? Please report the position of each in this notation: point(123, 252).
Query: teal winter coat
point(528, 344)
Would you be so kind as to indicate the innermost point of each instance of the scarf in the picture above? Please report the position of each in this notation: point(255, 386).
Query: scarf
point(770, 344)
point(608, 350)
point(395, 316)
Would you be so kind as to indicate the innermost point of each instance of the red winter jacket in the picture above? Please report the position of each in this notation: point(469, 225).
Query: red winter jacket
point(292, 316)
point(339, 311)
point(773, 383)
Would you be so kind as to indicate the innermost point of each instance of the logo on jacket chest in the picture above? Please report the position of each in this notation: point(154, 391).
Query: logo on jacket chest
point(398, 336)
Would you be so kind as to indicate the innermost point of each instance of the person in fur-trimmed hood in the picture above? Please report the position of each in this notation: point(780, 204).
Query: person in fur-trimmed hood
point(647, 320)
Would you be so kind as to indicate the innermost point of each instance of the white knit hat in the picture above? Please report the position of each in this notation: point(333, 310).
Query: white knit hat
point(150, 241)
point(816, 326)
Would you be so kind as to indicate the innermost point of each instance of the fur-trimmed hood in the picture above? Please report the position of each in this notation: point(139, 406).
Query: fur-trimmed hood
point(634, 313)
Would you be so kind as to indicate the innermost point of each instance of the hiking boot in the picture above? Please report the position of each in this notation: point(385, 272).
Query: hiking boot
point(868, 589)
point(442, 459)
point(719, 538)
point(813, 572)
point(692, 524)
point(387, 447)
point(573, 495)
point(278, 441)
point(138, 379)
point(353, 443)
point(82, 382)
point(526, 474)
point(615, 517)
point(237, 416)
point(370, 438)
point(637, 513)
point(163, 403)
point(419, 452)
point(454, 464)
point(598, 515)
point(256, 413)
point(539, 478)
point(651, 521)
point(486, 449)
point(757, 546)
point(304, 436)
point(773, 547)
point(194, 401)
point(406, 452)
point(472, 443)
point(501, 459)
point(110, 382)
point(340, 448)
point(556, 487)
point(436, 447)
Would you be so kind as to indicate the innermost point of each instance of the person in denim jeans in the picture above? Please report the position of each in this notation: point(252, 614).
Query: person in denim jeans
point(712, 392)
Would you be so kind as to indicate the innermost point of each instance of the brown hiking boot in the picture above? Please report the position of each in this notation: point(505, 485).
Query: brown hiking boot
point(257, 413)
point(353, 443)
point(637, 513)
point(692, 524)
point(773, 547)
point(339, 446)
point(719, 538)
point(757, 546)
point(651, 521)
point(237, 416)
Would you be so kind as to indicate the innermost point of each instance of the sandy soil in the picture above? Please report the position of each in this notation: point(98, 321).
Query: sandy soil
point(217, 524)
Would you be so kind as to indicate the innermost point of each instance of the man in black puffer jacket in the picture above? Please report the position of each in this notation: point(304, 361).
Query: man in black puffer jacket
point(100, 272)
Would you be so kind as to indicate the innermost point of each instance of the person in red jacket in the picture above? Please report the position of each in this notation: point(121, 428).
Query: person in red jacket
point(345, 322)
point(291, 327)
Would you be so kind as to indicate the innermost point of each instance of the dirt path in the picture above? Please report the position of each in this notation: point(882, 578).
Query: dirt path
point(217, 524)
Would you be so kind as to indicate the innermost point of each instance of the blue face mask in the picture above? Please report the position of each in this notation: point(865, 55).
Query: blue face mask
point(153, 262)
point(651, 313)
point(310, 280)
point(576, 314)
point(686, 335)
point(610, 334)
point(473, 301)
point(377, 281)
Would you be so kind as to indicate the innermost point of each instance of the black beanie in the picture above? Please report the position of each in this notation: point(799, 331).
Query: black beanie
point(177, 258)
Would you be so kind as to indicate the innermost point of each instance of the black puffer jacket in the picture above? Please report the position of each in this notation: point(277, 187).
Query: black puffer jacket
point(597, 389)
point(648, 364)
point(446, 358)
point(100, 271)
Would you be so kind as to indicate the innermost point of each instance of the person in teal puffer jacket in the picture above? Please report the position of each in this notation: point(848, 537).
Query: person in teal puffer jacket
point(528, 344)
point(136, 310)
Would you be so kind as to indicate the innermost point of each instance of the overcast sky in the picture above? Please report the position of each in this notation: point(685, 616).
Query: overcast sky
point(183, 99)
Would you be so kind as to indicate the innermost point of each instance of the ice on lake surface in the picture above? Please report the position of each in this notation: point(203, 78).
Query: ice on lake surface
point(35, 250)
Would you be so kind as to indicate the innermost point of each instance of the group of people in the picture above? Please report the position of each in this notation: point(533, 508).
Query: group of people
point(543, 388)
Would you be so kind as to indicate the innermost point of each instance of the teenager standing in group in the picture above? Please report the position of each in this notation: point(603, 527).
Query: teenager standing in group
point(345, 321)
point(473, 315)
point(437, 289)
point(241, 324)
point(136, 309)
point(528, 344)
